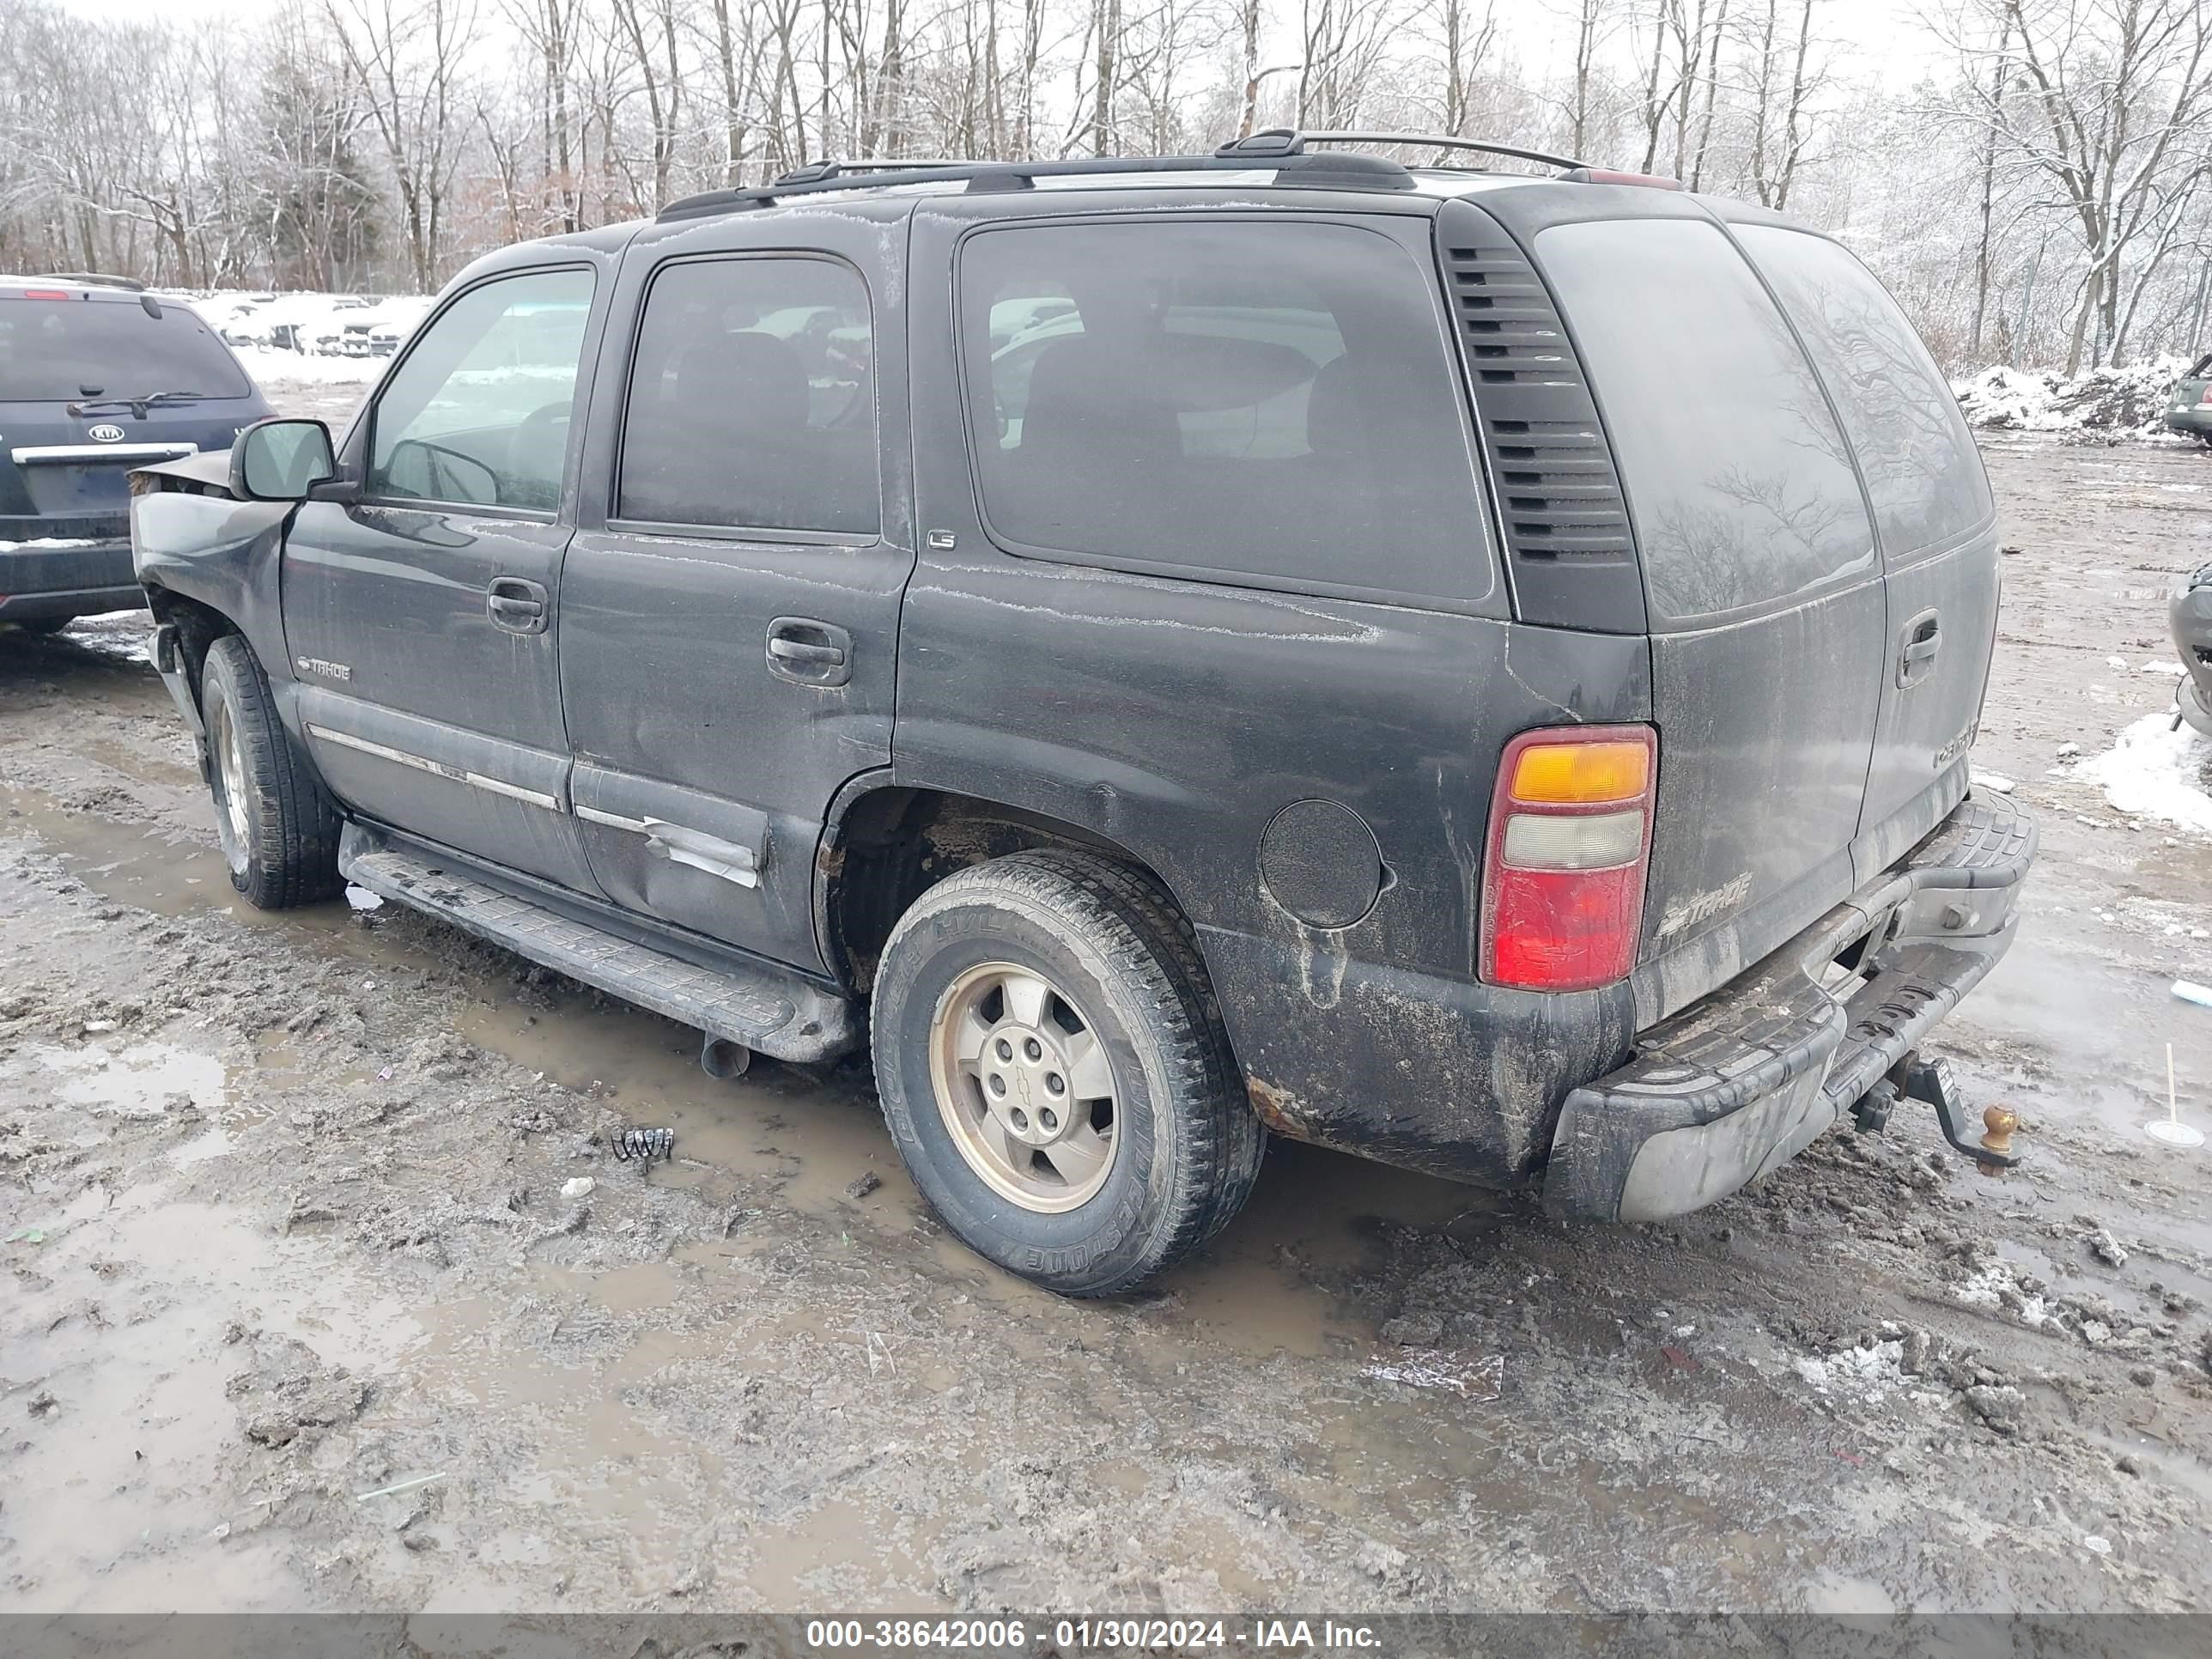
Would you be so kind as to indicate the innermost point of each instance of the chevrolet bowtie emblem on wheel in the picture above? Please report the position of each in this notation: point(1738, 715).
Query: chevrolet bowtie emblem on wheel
point(106, 433)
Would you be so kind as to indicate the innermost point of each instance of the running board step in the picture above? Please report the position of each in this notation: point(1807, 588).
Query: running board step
point(774, 1012)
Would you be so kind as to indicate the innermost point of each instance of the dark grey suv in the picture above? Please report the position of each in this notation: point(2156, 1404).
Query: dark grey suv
point(1475, 670)
point(96, 377)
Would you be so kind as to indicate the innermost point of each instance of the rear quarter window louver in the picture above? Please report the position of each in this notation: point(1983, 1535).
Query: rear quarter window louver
point(1559, 497)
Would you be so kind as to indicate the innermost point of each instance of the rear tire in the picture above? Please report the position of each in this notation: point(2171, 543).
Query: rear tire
point(279, 829)
point(1030, 1012)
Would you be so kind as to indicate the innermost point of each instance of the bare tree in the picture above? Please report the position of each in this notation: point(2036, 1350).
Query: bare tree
point(1595, 23)
point(2108, 108)
point(408, 58)
point(1462, 32)
point(1785, 80)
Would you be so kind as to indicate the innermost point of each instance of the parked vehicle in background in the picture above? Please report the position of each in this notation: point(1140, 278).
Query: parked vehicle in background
point(2189, 615)
point(316, 325)
point(96, 378)
point(2189, 409)
point(1162, 657)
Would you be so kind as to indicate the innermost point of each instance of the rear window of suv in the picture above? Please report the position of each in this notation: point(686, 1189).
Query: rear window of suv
point(1912, 443)
point(1738, 480)
point(1264, 404)
point(59, 350)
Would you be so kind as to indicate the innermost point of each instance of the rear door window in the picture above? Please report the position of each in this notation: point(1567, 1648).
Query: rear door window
point(1263, 404)
point(1912, 444)
point(752, 400)
point(1738, 481)
point(478, 412)
point(62, 350)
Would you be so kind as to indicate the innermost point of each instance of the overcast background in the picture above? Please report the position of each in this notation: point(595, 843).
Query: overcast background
point(2029, 176)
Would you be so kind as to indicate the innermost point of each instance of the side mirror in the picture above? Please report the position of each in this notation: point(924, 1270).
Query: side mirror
point(281, 460)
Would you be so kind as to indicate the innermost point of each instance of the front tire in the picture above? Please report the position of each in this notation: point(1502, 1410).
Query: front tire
point(1056, 1074)
point(279, 829)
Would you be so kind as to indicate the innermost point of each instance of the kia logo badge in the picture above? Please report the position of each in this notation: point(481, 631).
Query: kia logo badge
point(105, 433)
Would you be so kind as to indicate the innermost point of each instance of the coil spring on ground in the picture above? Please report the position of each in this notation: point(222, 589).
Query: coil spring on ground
point(645, 1145)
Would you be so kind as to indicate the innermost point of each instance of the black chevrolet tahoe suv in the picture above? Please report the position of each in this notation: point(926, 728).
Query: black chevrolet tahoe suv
point(97, 376)
point(1475, 670)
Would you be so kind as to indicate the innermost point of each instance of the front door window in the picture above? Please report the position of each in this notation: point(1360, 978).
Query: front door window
point(479, 414)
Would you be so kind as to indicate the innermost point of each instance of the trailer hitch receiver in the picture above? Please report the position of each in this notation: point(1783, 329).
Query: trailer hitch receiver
point(1932, 1081)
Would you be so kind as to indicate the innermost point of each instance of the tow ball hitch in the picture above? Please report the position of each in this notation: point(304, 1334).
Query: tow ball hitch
point(1931, 1081)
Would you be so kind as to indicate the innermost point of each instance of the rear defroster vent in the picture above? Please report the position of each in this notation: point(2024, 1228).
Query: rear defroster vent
point(1559, 500)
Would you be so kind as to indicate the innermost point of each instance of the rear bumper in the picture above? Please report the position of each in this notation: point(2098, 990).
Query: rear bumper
point(2195, 420)
point(1729, 1089)
point(68, 578)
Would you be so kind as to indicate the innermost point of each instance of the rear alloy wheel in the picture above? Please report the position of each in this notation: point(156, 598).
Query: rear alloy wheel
point(1024, 1086)
point(279, 829)
point(1056, 1075)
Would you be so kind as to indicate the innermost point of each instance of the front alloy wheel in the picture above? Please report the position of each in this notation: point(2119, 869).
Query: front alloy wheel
point(233, 786)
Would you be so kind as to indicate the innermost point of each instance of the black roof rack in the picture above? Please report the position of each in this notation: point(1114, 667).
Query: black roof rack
point(1435, 141)
point(1281, 149)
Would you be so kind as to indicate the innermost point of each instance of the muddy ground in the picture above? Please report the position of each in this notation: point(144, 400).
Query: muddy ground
point(287, 1219)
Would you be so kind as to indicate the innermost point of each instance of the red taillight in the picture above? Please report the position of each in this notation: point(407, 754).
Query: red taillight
point(46, 293)
point(1569, 839)
point(2207, 398)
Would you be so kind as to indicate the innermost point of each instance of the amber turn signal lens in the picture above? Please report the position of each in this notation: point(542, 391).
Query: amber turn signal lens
point(1581, 773)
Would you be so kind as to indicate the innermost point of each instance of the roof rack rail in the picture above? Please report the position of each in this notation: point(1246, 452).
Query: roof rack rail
point(1319, 172)
point(1284, 149)
point(1422, 141)
point(97, 279)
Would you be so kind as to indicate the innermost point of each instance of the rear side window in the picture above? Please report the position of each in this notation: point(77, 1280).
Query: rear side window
point(478, 411)
point(59, 350)
point(1738, 481)
point(1912, 444)
point(1264, 403)
point(752, 400)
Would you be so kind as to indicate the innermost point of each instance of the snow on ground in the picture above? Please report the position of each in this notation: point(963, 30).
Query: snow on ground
point(293, 369)
point(2119, 400)
point(2155, 771)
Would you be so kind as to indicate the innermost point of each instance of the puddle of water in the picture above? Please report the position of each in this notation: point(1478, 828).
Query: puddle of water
point(772, 1123)
point(134, 864)
point(2109, 1025)
point(157, 1081)
point(141, 1080)
point(1313, 1211)
point(113, 1493)
point(169, 874)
